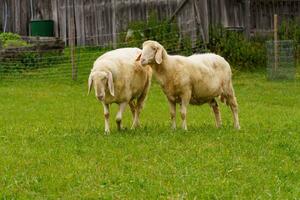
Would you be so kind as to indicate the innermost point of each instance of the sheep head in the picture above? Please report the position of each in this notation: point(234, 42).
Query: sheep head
point(152, 53)
point(101, 81)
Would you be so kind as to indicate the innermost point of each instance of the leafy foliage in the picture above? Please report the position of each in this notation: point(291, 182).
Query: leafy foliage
point(240, 52)
point(290, 30)
point(10, 40)
point(166, 33)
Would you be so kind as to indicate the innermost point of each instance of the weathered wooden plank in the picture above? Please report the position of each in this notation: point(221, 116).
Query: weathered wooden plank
point(62, 22)
point(55, 16)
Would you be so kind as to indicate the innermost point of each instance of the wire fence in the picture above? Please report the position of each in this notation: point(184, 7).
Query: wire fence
point(60, 63)
point(56, 63)
point(281, 63)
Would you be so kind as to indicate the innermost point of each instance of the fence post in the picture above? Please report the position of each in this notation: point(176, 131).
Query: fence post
point(72, 38)
point(275, 42)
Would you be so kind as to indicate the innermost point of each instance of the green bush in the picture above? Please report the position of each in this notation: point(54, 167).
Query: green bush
point(234, 47)
point(14, 44)
point(10, 40)
point(290, 30)
point(162, 31)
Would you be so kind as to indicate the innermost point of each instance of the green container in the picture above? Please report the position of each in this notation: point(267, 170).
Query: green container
point(41, 28)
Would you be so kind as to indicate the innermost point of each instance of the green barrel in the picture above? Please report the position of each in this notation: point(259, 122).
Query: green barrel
point(41, 28)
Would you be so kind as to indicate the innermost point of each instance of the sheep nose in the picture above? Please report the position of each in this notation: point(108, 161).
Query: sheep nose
point(143, 61)
point(100, 97)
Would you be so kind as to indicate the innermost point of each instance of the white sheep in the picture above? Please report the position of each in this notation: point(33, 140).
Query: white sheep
point(118, 78)
point(196, 79)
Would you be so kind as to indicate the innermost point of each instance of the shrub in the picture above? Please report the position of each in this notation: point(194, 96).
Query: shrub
point(14, 43)
point(162, 31)
point(9, 40)
point(290, 30)
point(240, 52)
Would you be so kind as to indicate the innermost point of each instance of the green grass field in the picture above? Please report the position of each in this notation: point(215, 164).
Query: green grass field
point(52, 145)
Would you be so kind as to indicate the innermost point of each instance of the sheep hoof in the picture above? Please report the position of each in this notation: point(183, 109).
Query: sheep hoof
point(218, 125)
point(237, 127)
point(135, 125)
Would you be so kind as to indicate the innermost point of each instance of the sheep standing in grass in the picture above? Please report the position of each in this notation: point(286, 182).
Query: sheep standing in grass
point(118, 78)
point(196, 79)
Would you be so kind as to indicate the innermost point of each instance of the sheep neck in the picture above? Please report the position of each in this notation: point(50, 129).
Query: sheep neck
point(161, 69)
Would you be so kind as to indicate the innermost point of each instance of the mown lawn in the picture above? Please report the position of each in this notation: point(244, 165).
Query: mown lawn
point(52, 145)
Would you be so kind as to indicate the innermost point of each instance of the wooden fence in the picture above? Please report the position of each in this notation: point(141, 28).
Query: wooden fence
point(97, 22)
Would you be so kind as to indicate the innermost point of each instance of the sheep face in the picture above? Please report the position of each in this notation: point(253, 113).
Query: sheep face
point(101, 81)
point(151, 53)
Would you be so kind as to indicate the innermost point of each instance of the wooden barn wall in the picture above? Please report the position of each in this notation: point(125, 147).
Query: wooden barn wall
point(229, 13)
point(98, 22)
point(262, 12)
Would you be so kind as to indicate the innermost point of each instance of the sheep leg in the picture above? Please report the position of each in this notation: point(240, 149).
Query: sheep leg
point(138, 108)
point(234, 109)
point(183, 109)
point(215, 107)
point(140, 104)
point(173, 113)
point(135, 114)
point(136, 121)
point(119, 115)
point(132, 108)
point(106, 117)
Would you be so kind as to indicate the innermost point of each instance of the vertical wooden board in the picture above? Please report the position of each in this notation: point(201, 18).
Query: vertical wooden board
point(95, 29)
point(114, 22)
point(109, 22)
point(106, 22)
point(54, 16)
point(88, 21)
point(231, 12)
point(103, 26)
point(71, 22)
point(77, 15)
point(100, 9)
point(1, 15)
point(186, 23)
point(212, 11)
point(36, 9)
point(122, 16)
point(25, 17)
point(62, 19)
point(17, 17)
point(224, 19)
point(203, 12)
point(11, 17)
point(81, 27)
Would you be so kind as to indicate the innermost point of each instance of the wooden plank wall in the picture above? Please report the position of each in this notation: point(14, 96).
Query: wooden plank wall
point(229, 13)
point(98, 22)
point(262, 12)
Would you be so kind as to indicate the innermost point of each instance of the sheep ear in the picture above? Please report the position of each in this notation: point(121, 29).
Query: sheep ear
point(158, 56)
point(110, 83)
point(90, 83)
point(138, 58)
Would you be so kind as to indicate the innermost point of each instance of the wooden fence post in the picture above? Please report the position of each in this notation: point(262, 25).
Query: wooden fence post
point(72, 37)
point(275, 42)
